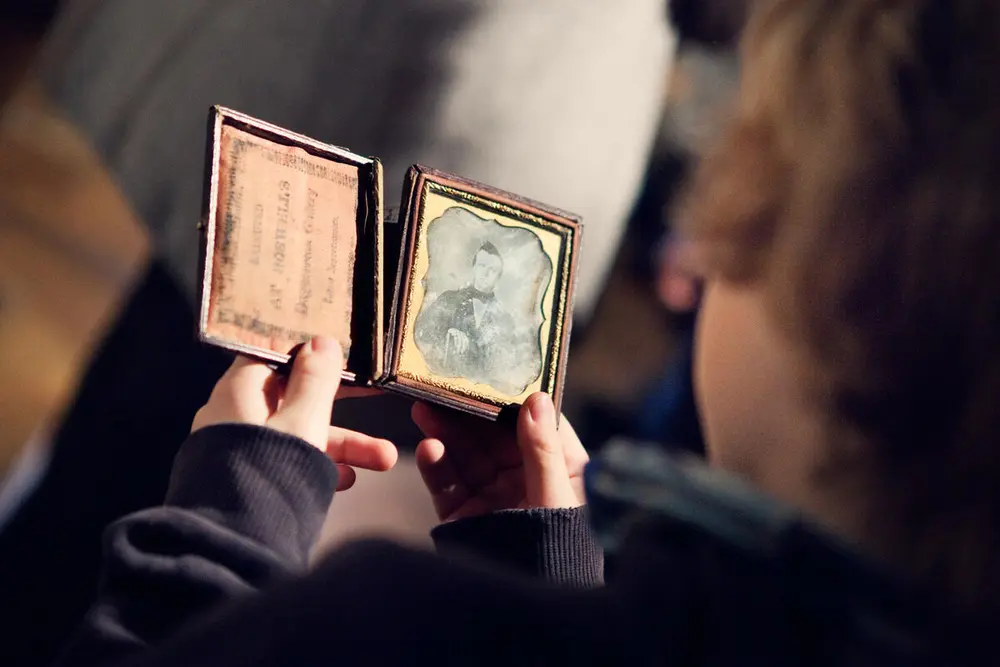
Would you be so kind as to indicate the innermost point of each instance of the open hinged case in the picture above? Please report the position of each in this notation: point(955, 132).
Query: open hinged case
point(483, 298)
point(291, 234)
point(465, 301)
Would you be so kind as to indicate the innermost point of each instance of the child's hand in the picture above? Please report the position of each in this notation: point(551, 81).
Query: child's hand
point(251, 393)
point(474, 467)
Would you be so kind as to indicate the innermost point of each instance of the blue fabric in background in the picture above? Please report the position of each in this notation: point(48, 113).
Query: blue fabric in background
point(668, 414)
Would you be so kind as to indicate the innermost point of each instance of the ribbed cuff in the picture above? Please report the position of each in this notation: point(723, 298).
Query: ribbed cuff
point(269, 486)
point(554, 544)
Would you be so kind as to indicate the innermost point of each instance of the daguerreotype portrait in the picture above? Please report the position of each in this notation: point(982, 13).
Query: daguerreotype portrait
point(481, 317)
point(285, 225)
point(465, 299)
point(485, 294)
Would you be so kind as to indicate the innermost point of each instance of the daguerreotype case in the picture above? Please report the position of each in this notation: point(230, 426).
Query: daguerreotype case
point(465, 299)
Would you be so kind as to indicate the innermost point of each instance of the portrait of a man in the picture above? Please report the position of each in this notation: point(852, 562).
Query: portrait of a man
point(485, 327)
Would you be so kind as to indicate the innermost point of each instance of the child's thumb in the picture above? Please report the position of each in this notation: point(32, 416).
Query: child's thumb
point(546, 478)
point(310, 392)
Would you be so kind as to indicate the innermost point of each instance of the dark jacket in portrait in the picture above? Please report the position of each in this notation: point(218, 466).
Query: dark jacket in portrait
point(489, 334)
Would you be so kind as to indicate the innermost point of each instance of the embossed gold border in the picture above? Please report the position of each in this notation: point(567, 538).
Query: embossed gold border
point(560, 236)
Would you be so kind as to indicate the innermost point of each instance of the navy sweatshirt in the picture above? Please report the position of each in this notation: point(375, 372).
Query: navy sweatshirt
point(706, 573)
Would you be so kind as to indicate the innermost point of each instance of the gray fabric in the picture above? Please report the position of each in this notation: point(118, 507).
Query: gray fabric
point(694, 121)
point(557, 100)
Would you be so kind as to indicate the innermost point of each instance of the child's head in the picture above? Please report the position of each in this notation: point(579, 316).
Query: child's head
point(849, 228)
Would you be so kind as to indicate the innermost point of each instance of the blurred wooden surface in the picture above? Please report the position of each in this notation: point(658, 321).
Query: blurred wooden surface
point(69, 250)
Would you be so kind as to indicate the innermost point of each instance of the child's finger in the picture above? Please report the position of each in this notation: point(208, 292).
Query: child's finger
point(447, 490)
point(360, 450)
point(240, 395)
point(436, 469)
point(469, 441)
point(546, 477)
point(245, 378)
point(310, 391)
point(346, 477)
point(574, 452)
point(428, 420)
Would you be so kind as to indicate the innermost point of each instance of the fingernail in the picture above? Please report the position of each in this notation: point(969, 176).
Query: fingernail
point(541, 410)
point(325, 344)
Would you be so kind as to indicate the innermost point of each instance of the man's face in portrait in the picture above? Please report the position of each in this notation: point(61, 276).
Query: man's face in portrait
point(486, 271)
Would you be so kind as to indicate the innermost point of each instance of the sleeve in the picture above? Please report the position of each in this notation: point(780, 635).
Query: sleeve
point(556, 545)
point(433, 320)
point(374, 603)
point(244, 507)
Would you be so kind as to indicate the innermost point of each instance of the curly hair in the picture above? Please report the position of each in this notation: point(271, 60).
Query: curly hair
point(859, 182)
